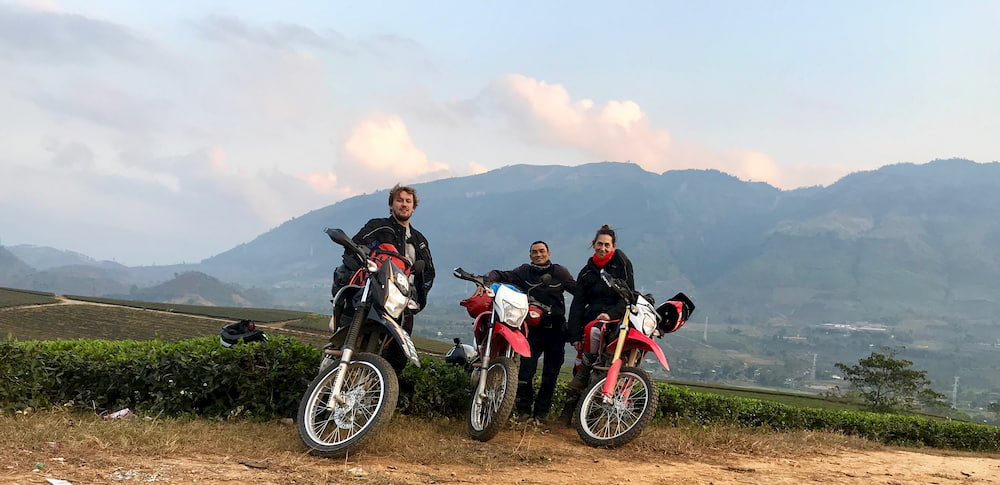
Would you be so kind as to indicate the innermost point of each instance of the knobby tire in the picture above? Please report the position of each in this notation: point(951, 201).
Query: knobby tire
point(489, 413)
point(371, 391)
point(613, 424)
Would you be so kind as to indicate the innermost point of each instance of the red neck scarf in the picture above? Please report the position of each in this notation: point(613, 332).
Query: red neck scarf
point(600, 262)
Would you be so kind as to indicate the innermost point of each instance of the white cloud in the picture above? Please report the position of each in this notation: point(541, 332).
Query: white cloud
point(476, 169)
point(71, 154)
point(51, 6)
point(227, 126)
point(618, 131)
point(41, 32)
point(380, 146)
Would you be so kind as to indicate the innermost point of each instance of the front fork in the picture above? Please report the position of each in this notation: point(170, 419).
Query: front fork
point(616, 361)
point(360, 313)
point(485, 362)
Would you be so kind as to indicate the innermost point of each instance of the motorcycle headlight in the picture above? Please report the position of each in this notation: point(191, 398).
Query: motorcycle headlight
point(644, 319)
point(396, 298)
point(513, 314)
point(648, 326)
point(510, 304)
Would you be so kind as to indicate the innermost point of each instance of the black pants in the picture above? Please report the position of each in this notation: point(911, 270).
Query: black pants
point(550, 345)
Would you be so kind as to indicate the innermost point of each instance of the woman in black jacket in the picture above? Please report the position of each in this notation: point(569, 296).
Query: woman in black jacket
point(595, 300)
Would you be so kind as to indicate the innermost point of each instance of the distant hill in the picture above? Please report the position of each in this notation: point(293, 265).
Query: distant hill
point(13, 269)
point(196, 288)
point(43, 258)
point(902, 242)
point(792, 281)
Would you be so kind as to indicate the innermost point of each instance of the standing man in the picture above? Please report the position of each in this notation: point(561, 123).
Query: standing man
point(396, 230)
point(548, 338)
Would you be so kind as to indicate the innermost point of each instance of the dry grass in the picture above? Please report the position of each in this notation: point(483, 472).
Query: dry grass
point(85, 440)
point(445, 442)
point(75, 443)
point(83, 434)
point(427, 441)
point(722, 441)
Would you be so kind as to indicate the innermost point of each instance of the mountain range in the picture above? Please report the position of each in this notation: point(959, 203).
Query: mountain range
point(903, 242)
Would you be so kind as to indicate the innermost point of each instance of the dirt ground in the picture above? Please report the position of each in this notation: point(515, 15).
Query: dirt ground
point(546, 456)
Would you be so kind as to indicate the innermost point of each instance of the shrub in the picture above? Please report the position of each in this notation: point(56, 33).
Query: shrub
point(21, 377)
point(262, 380)
point(679, 405)
point(196, 376)
point(434, 389)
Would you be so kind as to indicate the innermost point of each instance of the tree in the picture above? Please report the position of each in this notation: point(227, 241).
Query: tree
point(888, 384)
point(995, 409)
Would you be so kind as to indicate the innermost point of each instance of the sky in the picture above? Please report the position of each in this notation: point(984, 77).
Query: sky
point(158, 132)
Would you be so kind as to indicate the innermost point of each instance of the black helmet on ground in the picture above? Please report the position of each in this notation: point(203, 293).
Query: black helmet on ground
point(243, 329)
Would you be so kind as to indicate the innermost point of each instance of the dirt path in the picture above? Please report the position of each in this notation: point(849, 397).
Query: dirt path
point(525, 457)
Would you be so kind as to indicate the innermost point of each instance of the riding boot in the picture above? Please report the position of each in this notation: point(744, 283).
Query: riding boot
point(575, 388)
point(582, 376)
point(566, 416)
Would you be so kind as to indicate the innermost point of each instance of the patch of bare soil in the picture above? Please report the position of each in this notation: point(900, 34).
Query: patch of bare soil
point(521, 454)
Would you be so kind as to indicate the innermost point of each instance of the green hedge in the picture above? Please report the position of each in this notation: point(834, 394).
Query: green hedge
point(21, 376)
point(12, 298)
point(678, 405)
point(196, 377)
point(266, 379)
point(236, 313)
point(434, 389)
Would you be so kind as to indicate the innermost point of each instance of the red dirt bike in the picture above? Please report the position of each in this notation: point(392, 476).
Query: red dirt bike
point(618, 405)
point(355, 393)
point(502, 316)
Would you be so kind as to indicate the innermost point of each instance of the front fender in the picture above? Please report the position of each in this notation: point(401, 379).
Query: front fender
point(398, 334)
point(636, 340)
point(516, 339)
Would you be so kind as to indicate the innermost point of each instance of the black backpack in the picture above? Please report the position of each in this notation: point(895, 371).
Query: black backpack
point(243, 329)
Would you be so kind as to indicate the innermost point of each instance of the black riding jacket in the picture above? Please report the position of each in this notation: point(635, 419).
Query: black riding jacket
point(387, 230)
point(593, 296)
point(527, 275)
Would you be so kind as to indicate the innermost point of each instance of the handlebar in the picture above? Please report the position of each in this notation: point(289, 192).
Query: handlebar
point(541, 306)
point(480, 280)
point(340, 237)
point(467, 276)
point(619, 287)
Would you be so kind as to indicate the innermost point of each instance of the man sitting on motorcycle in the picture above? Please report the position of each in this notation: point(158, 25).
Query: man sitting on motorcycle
point(395, 230)
point(548, 337)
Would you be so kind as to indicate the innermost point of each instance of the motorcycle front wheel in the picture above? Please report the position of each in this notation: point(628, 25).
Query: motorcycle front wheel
point(614, 422)
point(490, 411)
point(333, 427)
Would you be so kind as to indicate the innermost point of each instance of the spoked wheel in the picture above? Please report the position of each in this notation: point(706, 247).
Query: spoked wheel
point(333, 427)
point(490, 411)
point(620, 420)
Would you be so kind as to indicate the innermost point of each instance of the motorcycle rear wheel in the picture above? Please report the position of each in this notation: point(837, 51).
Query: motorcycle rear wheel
point(489, 413)
point(370, 392)
point(622, 419)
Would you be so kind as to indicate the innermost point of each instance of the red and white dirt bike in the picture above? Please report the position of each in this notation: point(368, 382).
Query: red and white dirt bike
point(621, 399)
point(502, 315)
point(355, 393)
